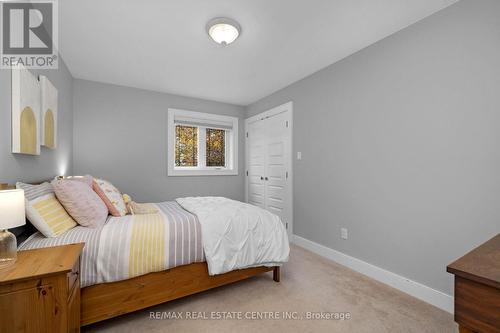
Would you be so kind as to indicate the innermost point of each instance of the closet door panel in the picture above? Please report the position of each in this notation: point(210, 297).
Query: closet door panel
point(276, 164)
point(256, 164)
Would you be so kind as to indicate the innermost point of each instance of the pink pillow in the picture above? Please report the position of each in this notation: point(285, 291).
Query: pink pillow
point(87, 179)
point(111, 197)
point(81, 202)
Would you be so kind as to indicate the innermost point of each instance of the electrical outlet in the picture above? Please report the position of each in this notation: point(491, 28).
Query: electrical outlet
point(299, 155)
point(343, 233)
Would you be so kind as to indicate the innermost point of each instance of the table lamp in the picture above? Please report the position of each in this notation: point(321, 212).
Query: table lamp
point(11, 215)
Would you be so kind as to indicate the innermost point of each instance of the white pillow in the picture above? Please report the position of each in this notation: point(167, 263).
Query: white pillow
point(112, 198)
point(48, 215)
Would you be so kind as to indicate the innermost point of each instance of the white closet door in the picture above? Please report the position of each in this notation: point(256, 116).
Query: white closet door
point(268, 161)
point(276, 164)
point(256, 133)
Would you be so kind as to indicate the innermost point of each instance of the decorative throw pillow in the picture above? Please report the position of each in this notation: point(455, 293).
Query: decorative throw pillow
point(81, 202)
point(34, 191)
point(141, 209)
point(44, 211)
point(111, 197)
point(126, 198)
point(87, 179)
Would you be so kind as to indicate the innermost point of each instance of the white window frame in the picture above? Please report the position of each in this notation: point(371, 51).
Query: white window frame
point(202, 170)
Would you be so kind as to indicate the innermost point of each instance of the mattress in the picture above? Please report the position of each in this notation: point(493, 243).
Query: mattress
point(132, 245)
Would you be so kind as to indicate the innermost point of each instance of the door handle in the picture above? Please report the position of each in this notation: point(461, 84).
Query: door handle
point(261, 178)
point(267, 178)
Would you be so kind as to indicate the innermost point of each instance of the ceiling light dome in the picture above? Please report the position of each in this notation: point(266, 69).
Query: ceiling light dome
point(223, 30)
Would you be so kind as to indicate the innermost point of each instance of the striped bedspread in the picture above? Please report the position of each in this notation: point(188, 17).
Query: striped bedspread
point(132, 245)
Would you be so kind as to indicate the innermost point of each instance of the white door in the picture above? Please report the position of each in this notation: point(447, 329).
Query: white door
point(269, 174)
point(276, 164)
point(256, 166)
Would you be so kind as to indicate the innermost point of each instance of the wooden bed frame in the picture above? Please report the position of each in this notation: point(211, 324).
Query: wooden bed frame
point(108, 300)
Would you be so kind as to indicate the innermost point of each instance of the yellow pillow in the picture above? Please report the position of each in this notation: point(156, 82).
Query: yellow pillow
point(48, 215)
point(139, 209)
point(126, 198)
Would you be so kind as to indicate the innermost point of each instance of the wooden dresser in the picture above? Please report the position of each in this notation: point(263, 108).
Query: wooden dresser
point(41, 291)
point(477, 288)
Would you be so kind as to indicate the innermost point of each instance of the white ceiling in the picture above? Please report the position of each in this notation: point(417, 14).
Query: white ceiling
point(162, 45)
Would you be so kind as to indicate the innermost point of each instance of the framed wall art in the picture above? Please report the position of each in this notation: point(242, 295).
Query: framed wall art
point(48, 113)
point(25, 112)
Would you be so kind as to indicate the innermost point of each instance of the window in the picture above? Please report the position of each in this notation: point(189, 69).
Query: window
point(216, 147)
point(186, 146)
point(202, 144)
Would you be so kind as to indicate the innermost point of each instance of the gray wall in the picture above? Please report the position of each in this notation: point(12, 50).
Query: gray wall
point(50, 163)
point(400, 144)
point(120, 134)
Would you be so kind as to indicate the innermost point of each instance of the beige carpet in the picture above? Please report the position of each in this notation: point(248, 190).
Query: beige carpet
point(309, 284)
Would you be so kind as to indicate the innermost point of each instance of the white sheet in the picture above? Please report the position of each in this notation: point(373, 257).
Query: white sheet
point(237, 235)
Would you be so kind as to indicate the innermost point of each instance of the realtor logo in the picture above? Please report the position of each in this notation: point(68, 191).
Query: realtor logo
point(29, 34)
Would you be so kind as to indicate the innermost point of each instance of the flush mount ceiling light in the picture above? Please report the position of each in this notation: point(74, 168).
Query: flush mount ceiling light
point(223, 30)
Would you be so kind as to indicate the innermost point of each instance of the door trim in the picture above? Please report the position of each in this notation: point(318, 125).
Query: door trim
point(287, 107)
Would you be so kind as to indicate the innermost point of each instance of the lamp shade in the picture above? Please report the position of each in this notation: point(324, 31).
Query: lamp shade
point(12, 209)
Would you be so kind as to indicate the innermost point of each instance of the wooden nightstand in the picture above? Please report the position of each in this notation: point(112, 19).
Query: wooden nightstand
point(477, 288)
point(41, 291)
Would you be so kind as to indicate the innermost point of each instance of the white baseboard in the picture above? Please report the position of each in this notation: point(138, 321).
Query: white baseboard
point(410, 287)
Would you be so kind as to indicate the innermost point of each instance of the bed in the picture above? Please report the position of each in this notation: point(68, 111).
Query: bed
point(137, 261)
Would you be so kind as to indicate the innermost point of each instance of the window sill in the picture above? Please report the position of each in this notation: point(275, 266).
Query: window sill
point(202, 172)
